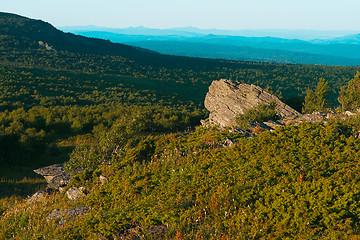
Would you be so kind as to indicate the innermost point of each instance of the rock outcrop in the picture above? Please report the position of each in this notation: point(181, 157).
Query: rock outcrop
point(46, 46)
point(226, 99)
point(55, 175)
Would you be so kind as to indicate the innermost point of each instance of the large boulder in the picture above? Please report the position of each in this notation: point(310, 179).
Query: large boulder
point(226, 99)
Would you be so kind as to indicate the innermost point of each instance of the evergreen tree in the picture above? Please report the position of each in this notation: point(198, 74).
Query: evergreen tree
point(316, 100)
point(350, 95)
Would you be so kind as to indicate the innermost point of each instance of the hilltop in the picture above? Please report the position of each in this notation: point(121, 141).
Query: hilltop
point(29, 32)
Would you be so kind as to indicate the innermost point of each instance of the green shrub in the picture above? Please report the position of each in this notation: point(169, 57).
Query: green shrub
point(315, 100)
point(350, 95)
point(260, 113)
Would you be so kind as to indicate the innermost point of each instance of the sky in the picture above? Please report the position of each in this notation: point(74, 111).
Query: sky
point(205, 14)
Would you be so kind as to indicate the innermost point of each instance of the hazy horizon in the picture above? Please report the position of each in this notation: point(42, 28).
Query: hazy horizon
point(189, 31)
point(317, 15)
point(210, 28)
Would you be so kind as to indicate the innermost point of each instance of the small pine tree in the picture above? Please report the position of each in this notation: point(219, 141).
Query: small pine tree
point(316, 100)
point(350, 95)
point(260, 113)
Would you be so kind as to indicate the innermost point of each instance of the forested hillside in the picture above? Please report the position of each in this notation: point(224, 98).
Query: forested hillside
point(79, 61)
point(132, 116)
point(248, 51)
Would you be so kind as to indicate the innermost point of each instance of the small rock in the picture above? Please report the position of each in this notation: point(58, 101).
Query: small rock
point(67, 214)
point(227, 143)
point(273, 124)
point(103, 179)
point(74, 193)
point(55, 214)
point(37, 197)
point(349, 114)
point(246, 133)
point(60, 180)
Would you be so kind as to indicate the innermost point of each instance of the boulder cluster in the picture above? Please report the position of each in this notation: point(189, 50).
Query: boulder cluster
point(55, 176)
point(57, 180)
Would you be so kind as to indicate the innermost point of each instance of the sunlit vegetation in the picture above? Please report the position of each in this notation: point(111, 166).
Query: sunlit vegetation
point(260, 113)
point(316, 100)
point(349, 95)
point(299, 181)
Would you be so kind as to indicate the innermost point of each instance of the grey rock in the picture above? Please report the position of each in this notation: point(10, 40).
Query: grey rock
point(57, 213)
point(50, 171)
point(55, 175)
point(75, 192)
point(227, 143)
point(226, 99)
point(60, 180)
point(46, 46)
point(37, 197)
point(66, 215)
point(273, 124)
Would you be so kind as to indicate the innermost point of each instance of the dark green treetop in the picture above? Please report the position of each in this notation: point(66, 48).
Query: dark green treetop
point(316, 100)
point(350, 95)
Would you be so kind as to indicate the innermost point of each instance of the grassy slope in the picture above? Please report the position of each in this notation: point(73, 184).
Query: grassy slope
point(299, 181)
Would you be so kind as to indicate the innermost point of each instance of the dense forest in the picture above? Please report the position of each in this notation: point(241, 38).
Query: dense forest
point(133, 116)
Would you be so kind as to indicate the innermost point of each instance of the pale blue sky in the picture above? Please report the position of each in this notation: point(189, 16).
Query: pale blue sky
point(222, 14)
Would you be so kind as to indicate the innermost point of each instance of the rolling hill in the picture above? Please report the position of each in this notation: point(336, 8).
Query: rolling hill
point(188, 42)
point(30, 32)
point(231, 51)
point(112, 65)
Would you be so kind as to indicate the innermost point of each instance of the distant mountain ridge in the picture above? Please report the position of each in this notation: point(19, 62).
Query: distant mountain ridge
point(193, 31)
point(193, 42)
point(241, 53)
point(189, 42)
point(132, 31)
point(348, 39)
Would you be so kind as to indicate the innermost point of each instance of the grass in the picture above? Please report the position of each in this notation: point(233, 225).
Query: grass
point(21, 188)
point(19, 180)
